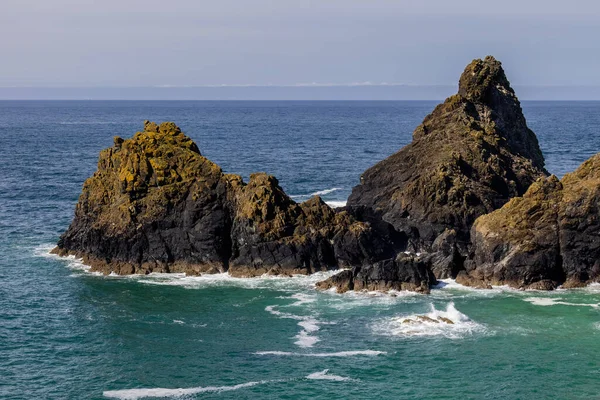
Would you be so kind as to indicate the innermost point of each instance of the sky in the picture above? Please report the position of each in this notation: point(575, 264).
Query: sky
point(108, 43)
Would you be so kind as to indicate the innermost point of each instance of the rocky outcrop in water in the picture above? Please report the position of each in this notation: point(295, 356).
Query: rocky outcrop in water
point(469, 157)
point(405, 272)
point(550, 236)
point(155, 204)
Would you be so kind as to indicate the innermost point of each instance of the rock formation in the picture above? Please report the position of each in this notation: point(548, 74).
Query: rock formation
point(550, 236)
point(469, 157)
point(155, 204)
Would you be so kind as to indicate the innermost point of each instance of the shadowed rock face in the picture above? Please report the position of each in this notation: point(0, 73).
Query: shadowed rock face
point(548, 237)
point(406, 272)
point(155, 204)
point(469, 157)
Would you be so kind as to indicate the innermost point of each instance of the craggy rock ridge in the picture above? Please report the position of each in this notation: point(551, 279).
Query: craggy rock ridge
point(548, 237)
point(469, 157)
point(155, 204)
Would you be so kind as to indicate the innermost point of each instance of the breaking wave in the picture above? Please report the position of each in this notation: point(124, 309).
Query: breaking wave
point(352, 353)
point(449, 323)
point(326, 191)
point(309, 324)
point(317, 193)
point(325, 375)
point(547, 301)
point(336, 204)
point(133, 394)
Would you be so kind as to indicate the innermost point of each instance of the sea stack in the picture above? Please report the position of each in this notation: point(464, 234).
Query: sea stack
point(469, 157)
point(156, 204)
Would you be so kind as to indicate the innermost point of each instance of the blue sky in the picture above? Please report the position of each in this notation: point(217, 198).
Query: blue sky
point(259, 42)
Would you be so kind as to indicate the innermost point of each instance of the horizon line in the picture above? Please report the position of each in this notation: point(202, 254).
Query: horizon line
point(292, 85)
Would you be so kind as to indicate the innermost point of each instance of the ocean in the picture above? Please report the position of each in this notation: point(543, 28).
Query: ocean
point(66, 333)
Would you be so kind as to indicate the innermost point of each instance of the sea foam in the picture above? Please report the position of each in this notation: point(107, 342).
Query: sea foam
point(351, 353)
point(336, 204)
point(548, 301)
point(309, 324)
point(325, 375)
point(325, 191)
point(317, 193)
point(132, 394)
point(449, 323)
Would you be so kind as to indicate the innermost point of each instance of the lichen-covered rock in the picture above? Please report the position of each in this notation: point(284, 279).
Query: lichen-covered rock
point(155, 204)
point(469, 157)
point(550, 236)
point(270, 229)
point(405, 272)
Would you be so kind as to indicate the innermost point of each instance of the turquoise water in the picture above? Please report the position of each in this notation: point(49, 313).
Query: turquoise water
point(66, 333)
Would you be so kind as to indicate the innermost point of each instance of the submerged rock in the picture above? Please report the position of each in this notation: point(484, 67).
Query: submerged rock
point(155, 204)
point(548, 237)
point(469, 157)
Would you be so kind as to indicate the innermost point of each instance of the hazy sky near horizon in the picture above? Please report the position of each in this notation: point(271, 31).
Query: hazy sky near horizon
point(289, 42)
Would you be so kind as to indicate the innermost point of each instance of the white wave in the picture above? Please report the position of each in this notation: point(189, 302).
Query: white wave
point(287, 283)
point(309, 324)
point(317, 193)
point(547, 301)
point(178, 321)
point(594, 286)
point(43, 250)
point(72, 262)
point(303, 298)
point(336, 204)
point(305, 339)
point(449, 323)
point(132, 394)
point(352, 353)
point(325, 375)
point(324, 192)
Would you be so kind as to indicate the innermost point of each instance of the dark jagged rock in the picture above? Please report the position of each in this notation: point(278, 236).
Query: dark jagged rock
point(155, 204)
point(270, 229)
point(550, 236)
point(469, 157)
point(406, 272)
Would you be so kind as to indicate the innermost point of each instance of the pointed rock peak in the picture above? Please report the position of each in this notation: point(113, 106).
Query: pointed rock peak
point(164, 127)
point(156, 135)
point(480, 76)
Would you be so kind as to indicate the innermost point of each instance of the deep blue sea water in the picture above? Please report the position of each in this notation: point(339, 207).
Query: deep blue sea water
point(65, 333)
